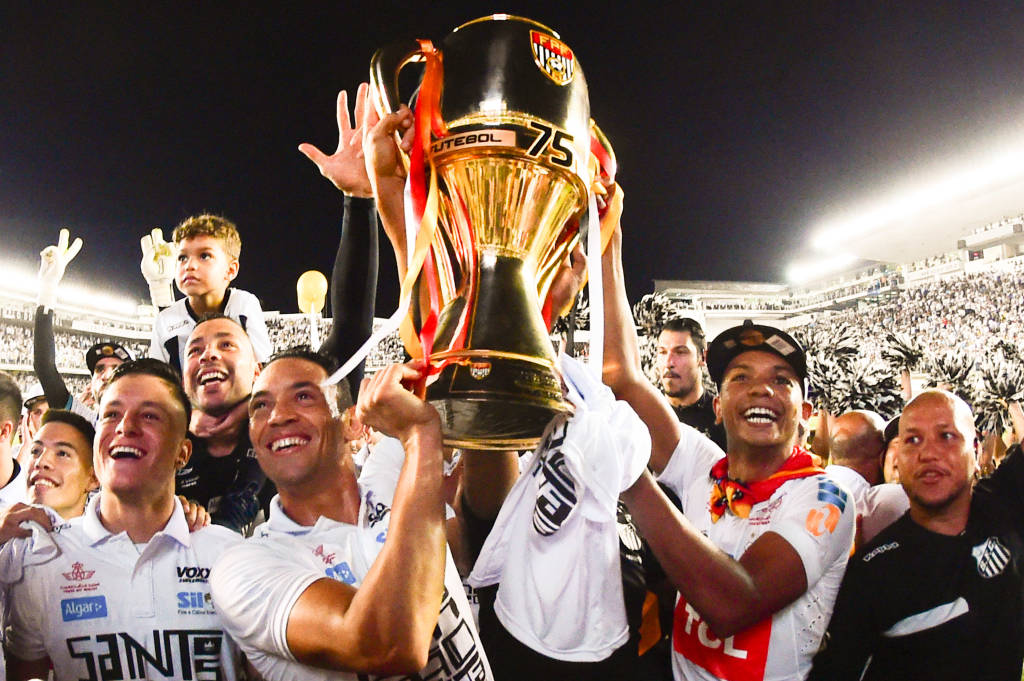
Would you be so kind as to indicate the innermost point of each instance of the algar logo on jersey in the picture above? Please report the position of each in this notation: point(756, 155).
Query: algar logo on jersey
point(173, 654)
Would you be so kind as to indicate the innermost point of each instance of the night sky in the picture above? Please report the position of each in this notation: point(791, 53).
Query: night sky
point(738, 125)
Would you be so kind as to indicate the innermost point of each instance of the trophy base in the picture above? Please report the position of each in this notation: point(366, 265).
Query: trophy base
point(490, 401)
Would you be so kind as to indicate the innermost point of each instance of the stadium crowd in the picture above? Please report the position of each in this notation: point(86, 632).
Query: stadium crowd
point(218, 504)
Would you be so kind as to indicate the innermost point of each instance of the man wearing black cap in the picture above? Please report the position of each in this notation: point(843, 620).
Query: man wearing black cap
point(101, 358)
point(761, 548)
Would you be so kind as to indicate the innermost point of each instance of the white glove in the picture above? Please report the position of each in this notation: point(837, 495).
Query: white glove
point(158, 263)
point(52, 262)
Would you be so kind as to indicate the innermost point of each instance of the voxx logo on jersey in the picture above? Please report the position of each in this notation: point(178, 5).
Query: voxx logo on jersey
point(193, 574)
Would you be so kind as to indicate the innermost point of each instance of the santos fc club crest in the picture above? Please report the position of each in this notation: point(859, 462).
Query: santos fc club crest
point(992, 557)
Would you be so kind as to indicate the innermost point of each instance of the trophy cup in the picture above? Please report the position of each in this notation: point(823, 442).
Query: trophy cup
point(511, 158)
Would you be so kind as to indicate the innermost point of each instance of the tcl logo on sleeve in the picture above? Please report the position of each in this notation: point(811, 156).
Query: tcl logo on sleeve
point(740, 657)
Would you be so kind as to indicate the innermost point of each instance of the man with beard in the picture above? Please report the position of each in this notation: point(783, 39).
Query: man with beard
point(936, 595)
point(680, 362)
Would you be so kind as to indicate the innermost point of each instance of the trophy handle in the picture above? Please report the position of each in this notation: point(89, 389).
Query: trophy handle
point(385, 66)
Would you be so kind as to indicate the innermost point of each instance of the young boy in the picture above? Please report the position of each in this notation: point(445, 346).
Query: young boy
point(207, 249)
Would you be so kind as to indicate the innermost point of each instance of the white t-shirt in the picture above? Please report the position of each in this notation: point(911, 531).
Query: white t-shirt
point(554, 547)
point(103, 607)
point(816, 516)
point(257, 582)
point(174, 324)
point(17, 489)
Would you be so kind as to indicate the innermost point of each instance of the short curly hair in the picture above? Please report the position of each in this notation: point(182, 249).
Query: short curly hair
point(214, 226)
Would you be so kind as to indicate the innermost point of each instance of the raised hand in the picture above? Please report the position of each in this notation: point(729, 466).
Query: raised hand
point(158, 263)
point(387, 405)
point(53, 260)
point(345, 168)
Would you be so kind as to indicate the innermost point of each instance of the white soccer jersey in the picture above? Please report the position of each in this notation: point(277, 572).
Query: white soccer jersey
point(554, 547)
point(104, 608)
point(816, 516)
point(257, 582)
point(174, 324)
point(16, 489)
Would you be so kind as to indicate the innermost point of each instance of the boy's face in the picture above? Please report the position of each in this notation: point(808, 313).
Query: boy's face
point(203, 266)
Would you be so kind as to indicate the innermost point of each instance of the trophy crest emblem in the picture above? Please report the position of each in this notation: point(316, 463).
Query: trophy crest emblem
point(553, 57)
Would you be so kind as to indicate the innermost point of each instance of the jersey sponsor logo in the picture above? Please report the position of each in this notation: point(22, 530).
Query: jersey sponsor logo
point(831, 493)
point(327, 558)
point(341, 572)
point(454, 651)
point(763, 514)
point(556, 492)
point(78, 573)
point(880, 549)
point(820, 520)
point(992, 557)
point(79, 576)
point(195, 603)
point(171, 328)
point(87, 608)
point(740, 657)
point(174, 654)
point(193, 574)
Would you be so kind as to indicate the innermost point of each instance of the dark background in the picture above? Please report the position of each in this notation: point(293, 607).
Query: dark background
point(738, 125)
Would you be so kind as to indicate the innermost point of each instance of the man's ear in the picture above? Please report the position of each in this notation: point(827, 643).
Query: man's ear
point(716, 404)
point(7, 429)
point(807, 410)
point(184, 454)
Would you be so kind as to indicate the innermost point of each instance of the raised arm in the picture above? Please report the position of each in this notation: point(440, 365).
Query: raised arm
point(53, 261)
point(386, 624)
point(622, 372)
point(354, 276)
point(384, 141)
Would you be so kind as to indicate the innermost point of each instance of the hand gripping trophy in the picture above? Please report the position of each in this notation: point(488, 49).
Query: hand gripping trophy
point(499, 175)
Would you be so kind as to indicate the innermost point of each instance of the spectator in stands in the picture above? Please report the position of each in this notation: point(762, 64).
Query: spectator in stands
point(205, 256)
point(680, 364)
point(936, 595)
point(857, 447)
point(377, 609)
point(762, 545)
point(12, 473)
point(35, 406)
point(101, 358)
point(125, 587)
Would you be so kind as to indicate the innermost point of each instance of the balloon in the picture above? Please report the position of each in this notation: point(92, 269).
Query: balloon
point(312, 291)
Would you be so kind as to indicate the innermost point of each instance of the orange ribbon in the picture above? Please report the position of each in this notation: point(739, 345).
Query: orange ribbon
point(739, 498)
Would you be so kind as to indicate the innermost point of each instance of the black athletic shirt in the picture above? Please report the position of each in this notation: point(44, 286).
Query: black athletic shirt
point(919, 605)
point(701, 415)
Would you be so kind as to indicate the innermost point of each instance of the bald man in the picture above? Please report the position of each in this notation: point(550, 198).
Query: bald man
point(857, 448)
point(937, 595)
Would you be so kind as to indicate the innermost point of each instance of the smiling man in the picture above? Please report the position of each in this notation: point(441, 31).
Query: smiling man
point(348, 576)
point(222, 475)
point(123, 591)
point(937, 595)
point(759, 553)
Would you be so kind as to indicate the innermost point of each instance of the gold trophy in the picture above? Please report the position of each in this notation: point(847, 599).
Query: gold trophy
point(511, 159)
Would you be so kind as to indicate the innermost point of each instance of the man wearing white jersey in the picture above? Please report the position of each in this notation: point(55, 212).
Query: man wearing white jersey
point(347, 577)
point(123, 592)
point(759, 553)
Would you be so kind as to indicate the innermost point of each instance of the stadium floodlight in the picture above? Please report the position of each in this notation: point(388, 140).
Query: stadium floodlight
point(20, 281)
point(967, 180)
point(802, 272)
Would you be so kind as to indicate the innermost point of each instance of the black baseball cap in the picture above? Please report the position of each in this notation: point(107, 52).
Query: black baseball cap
point(892, 429)
point(750, 336)
point(105, 349)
